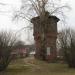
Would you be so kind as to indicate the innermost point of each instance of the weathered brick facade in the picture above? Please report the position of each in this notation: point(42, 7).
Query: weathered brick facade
point(50, 36)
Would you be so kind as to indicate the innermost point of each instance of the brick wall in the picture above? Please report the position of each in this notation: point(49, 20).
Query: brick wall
point(50, 37)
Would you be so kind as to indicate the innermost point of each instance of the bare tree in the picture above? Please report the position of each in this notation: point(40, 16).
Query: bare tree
point(33, 8)
point(41, 9)
point(67, 41)
point(19, 43)
point(7, 41)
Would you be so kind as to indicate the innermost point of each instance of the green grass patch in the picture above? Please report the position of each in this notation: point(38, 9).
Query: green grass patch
point(36, 67)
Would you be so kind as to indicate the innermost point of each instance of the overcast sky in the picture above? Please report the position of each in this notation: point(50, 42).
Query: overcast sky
point(6, 22)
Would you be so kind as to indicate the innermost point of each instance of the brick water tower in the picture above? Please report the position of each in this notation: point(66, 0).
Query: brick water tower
point(45, 35)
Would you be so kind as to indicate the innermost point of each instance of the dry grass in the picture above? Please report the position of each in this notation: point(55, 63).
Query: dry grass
point(34, 67)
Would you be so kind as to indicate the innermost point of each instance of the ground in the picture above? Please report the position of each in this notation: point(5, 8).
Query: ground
point(31, 66)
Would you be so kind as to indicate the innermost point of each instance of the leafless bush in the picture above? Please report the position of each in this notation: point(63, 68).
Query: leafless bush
point(67, 41)
point(7, 41)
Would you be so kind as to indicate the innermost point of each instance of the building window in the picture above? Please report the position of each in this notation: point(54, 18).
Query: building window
point(48, 50)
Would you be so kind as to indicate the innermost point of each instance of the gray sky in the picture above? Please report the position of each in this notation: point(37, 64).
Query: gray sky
point(6, 22)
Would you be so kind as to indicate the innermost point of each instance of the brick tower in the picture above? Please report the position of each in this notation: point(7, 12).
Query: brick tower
point(48, 49)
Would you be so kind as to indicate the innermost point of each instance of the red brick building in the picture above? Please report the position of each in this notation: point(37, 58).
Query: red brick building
point(22, 51)
point(19, 52)
point(50, 36)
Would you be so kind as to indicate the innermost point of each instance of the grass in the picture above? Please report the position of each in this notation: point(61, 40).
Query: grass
point(36, 67)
